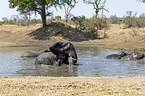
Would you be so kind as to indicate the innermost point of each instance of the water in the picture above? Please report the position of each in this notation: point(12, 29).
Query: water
point(91, 62)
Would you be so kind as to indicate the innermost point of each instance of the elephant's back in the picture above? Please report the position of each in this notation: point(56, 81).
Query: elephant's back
point(30, 54)
point(45, 58)
point(111, 56)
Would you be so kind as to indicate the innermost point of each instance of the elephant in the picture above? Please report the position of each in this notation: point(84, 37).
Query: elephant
point(48, 58)
point(126, 56)
point(136, 55)
point(58, 55)
point(116, 56)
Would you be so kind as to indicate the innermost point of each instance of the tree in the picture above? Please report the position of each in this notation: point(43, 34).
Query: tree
point(58, 17)
point(5, 19)
point(15, 18)
point(129, 13)
point(68, 6)
point(34, 6)
point(98, 5)
point(141, 1)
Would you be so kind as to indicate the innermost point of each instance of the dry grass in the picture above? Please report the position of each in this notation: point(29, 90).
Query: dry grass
point(117, 37)
point(72, 86)
point(13, 35)
point(133, 38)
point(120, 38)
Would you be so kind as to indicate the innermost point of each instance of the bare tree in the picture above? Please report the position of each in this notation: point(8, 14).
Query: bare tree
point(68, 6)
point(98, 5)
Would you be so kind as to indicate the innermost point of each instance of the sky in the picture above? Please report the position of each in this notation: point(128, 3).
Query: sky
point(116, 7)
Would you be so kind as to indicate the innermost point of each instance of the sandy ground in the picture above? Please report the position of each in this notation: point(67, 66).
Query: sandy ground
point(72, 86)
point(117, 38)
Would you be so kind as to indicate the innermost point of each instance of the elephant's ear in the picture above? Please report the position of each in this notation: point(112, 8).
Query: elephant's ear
point(66, 46)
point(54, 48)
point(57, 44)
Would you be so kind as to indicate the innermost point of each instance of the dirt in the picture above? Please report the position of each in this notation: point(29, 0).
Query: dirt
point(72, 86)
point(116, 36)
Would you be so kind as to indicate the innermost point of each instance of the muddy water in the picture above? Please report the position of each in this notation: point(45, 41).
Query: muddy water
point(91, 62)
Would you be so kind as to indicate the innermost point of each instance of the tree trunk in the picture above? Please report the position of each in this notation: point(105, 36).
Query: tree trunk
point(43, 16)
point(97, 11)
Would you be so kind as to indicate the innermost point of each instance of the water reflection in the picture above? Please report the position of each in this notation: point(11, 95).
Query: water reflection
point(91, 62)
point(65, 70)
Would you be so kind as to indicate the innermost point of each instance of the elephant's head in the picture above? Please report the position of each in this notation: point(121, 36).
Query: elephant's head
point(69, 49)
point(64, 51)
point(137, 55)
point(122, 54)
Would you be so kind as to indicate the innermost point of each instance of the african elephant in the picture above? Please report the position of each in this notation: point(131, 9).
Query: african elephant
point(48, 58)
point(59, 54)
point(116, 56)
point(135, 55)
point(126, 56)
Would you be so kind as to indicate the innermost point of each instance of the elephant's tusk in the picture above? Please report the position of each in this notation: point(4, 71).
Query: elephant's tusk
point(73, 58)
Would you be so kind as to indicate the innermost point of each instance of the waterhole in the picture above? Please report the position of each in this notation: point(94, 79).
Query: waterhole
point(91, 62)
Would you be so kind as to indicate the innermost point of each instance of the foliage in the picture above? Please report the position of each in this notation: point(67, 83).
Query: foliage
point(133, 21)
point(98, 5)
point(5, 19)
point(129, 21)
point(78, 21)
point(68, 6)
point(58, 17)
point(100, 23)
point(140, 22)
point(91, 25)
point(114, 19)
point(0, 23)
point(141, 1)
point(37, 6)
point(24, 20)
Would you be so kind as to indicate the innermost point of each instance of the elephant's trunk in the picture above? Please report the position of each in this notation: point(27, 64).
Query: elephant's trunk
point(73, 55)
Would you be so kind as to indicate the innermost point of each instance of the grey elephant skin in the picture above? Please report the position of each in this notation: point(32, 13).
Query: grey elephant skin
point(126, 56)
point(48, 58)
point(60, 52)
point(57, 54)
point(116, 56)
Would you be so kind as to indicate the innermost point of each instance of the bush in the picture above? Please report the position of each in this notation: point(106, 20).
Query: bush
point(114, 20)
point(0, 23)
point(133, 21)
point(100, 23)
point(79, 22)
point(140, 22)
point(91, 25)
point(129, 22)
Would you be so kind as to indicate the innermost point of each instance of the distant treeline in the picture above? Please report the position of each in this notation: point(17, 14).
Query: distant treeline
point(82, 23)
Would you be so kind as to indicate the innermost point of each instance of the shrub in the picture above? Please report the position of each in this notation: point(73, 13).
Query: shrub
point(140, 22)
point(114, 19)
point(129, 21)
point(133, 21)
point(100, 23)
point(58, 17)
